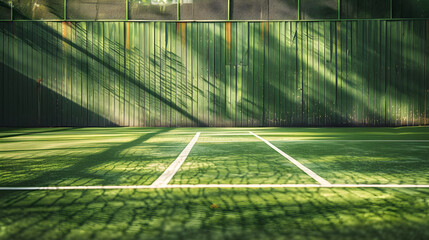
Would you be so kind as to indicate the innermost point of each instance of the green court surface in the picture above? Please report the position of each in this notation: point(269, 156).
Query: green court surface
point(74, 157)
point(188, 208)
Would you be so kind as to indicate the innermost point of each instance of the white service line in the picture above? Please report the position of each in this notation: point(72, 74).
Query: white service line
point(298, 164)
point(168, 174)
point(216, 186)
point(226, 134)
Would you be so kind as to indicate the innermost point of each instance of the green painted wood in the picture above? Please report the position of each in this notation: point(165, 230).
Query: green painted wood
point(360, 73)
point(426, 74)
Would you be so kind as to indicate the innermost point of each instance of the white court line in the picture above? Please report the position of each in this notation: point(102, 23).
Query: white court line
point(328, 140)
point(216, 186)
point(226, 134)
point(298, 164)
point(165, 178)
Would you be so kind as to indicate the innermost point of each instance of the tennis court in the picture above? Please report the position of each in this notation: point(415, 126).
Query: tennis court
point(101, 183)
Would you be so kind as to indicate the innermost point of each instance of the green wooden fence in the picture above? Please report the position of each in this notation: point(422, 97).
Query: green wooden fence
point(345, 73)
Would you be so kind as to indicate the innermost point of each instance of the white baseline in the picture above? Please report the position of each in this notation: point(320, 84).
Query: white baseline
point(214, 186)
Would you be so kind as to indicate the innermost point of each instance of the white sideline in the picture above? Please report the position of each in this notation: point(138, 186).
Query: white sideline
point(330, 140)
point(216, 186)
point(298, 164)
point(168, 174)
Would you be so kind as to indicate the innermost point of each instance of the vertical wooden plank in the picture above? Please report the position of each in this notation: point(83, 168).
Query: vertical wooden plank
point(245, 90)
point(124, 91)
point(365, 73)
point(382, 75)
point(188, 70)
point(200, 62)
point(251, 71)
point(163, 75)
point(273, 73)
point(309, 90)
point(277, 86)
point(2, 72)
point(375, 86)
point(168, 80)
point(355, 77)
point(282, 74)
point(301, 61)
point(397, 31)
point(195, 78)
point(132, 79)
point(258, 73)
point(152, 74)
point(148, 29)
point(90, 71)
point(316, 75)
point(295, 65)
point(289, 71)
point(265, 76)
point(211, 75)
point(239, 56)
point(76, 76)
point(337, 119)
point(128, 72)
point(19, 78)
point(183, 80)
point(123, 97)
point(234, 64)
point(179, 74)
point(223, 73)
point(344, 71)
point(141, 69)
point(389, 76)
point(322, 75)
point(85, 70)
point(217, 39)
point(103, 103)
point(5, 28)
point(426, 84)
point(331, 77)
point(421, 69)
point(418, 68)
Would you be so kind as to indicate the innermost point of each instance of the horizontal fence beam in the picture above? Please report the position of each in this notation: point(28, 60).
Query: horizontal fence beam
point(339, 17)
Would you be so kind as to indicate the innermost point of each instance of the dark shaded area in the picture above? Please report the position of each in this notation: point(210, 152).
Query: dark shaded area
point(96, 9)
point(249, 9)
point(38, 9)
point(358, 9)
point(305, 213)
point(81, 166)
point(5, 134)
point(283, 9)
point(318, 9)
point(4, 10)
point(204, 10)
point(410, 9)
point(57, 109)
point(153, 10)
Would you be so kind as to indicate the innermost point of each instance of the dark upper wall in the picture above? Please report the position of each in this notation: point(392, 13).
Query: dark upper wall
point(350, 73)
point(200, 10)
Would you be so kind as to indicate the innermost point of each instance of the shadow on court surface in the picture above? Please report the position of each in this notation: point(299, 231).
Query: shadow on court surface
point(299, 213)
point(82, 168)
